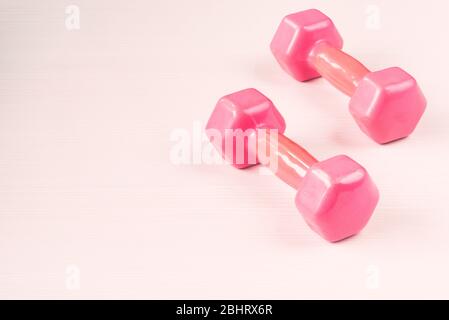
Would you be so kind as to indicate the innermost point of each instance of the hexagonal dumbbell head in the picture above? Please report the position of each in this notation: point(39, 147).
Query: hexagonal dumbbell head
point(387, 104)
point(296, 37)
point(235, 119)
point(337, 198)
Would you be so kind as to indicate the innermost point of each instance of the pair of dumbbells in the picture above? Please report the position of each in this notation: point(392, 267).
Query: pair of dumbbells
point(337, 196)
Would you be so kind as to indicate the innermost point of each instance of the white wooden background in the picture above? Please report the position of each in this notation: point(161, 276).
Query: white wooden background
point(92, 207)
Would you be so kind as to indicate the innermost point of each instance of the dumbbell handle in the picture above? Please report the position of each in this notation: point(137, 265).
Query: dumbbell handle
point(292, 161)
point(339, 68)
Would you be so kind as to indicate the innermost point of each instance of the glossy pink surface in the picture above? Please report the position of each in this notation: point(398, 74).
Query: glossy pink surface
point(245, 109)
point(339, 68)
point(337, 198)
point(292, 160)
point(388, 105)
point(297, 36)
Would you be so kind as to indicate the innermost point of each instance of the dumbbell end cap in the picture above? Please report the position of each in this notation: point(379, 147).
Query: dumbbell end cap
point(388, 104)
point(295, 38)
point(234, 120)
point(337, 198)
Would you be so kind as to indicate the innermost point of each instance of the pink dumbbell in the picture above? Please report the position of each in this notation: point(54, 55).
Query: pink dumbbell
point(336, 197)
point(386, 104)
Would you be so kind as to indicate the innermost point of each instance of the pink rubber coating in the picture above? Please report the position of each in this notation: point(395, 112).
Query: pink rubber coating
point(297, 36)
point(336, 197)
point(307, 45)
point(339, 68)
point(292, 160)
point(244, 110)
point(388, 104)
